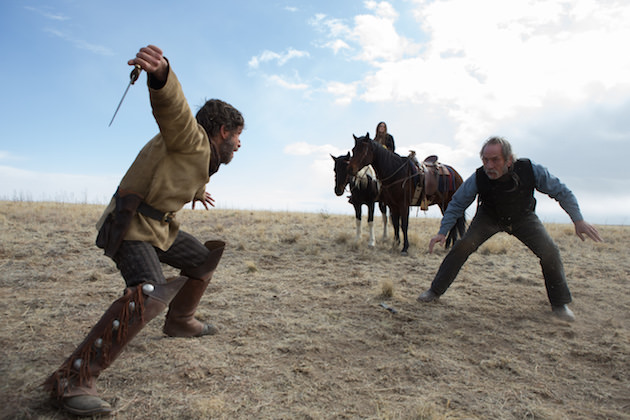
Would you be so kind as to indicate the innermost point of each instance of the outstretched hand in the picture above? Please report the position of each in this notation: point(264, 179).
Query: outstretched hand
point(582, 229)
point(207, 200)
point(439, 238)
point(152, 61)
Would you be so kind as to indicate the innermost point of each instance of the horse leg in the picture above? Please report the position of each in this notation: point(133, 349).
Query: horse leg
point(395, 225)
point(371, 243)
point(405, 225)
point(357, 213)
point(451, 237)
point(458, 230)
point(383, 208)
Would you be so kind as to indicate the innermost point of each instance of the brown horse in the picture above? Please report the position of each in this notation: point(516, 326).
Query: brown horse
point(403, 184)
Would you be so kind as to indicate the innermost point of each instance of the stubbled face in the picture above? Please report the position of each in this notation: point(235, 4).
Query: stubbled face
point(229, 145)
point(494, 164)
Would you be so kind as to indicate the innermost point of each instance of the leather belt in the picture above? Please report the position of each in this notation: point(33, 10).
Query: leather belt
point(153, 213)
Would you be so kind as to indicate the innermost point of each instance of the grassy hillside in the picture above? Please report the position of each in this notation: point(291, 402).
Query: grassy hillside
point(303, 334)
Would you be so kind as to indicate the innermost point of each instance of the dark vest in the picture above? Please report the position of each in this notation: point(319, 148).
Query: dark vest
point(510, 197)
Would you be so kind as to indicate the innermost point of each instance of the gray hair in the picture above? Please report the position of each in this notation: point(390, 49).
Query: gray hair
point(506, 147)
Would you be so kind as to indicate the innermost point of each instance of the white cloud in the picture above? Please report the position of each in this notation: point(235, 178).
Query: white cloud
point(334, 28)
point(344, 92)
point(512, 57)
point(79, 43)
point(4, 156)
point(377, 37)
point(382, 8)
point(47, 14)
point(306, 149)
point(278, 80)
point(374, 35)
point(280, 58)
point(337, 45)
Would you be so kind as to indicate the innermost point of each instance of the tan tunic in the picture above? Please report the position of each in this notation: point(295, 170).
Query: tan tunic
point(171, 169)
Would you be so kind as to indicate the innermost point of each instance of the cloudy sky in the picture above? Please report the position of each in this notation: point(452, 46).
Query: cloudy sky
point(551, 76)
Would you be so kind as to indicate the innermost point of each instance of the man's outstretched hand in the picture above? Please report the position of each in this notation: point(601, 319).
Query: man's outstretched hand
point(439, 238)
point(582, 229)
point(207, 200)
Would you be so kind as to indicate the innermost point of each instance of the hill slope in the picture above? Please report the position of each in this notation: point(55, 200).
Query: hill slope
point(303, 335)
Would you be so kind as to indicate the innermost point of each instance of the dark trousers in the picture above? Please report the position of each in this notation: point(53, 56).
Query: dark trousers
point(140, 262)
point(530, 231)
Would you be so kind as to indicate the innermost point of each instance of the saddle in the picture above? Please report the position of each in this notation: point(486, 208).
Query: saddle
point(437, 178)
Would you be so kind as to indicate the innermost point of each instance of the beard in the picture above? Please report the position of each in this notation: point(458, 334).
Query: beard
point(226, 151)
point(496, 173)
point(492, 173)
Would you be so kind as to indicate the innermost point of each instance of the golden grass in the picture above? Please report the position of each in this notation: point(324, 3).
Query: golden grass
point(303, 334)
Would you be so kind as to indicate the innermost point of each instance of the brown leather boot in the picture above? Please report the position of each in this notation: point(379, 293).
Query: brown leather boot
point(73, 384)
point(180, 320)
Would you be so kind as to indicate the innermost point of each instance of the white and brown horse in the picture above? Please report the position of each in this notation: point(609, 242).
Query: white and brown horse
point(364, 190)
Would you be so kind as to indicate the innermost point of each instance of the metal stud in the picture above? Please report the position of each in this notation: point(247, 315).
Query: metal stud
point(98, 343)
point(115, 324)
point(132, 306)
point(77, 364)
point(148, 288)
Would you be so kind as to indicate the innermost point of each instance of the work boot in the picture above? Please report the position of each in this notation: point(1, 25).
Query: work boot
point(180, 320)
point(428, 296)
point(563, 312)
point(86, 405)
point(73, 384)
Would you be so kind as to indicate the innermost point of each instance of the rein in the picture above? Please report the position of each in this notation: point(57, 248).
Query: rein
point(394, 173)
point(403, 180)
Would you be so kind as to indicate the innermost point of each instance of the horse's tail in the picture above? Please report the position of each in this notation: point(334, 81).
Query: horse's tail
point(456, 232)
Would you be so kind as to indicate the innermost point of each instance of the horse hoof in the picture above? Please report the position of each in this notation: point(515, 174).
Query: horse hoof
point(403, 253)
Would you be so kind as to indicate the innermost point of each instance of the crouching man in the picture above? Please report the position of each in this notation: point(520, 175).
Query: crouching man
point(506, 203)
point(139, 230)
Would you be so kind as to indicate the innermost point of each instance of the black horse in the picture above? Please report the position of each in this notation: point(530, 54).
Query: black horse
point(364, 189)
point(399, 177)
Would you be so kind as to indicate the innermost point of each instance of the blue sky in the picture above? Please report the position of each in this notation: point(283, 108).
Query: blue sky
point(550, 76)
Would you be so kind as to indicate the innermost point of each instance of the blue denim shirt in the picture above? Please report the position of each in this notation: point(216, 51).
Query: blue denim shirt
point(545, 183)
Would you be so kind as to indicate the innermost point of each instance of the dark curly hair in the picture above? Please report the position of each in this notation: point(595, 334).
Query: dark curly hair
point(215, 113)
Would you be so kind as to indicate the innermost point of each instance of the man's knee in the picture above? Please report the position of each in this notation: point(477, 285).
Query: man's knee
point(465, 246)
point(205, 270)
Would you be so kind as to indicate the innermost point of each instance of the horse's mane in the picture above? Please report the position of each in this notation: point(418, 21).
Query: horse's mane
point(389, 162)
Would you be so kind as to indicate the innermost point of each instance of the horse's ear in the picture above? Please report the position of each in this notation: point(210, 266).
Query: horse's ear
point(355, 137)
point(367, 135)
point(348, 156)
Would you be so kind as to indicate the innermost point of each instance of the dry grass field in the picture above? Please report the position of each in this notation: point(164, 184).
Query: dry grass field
point(303, 334)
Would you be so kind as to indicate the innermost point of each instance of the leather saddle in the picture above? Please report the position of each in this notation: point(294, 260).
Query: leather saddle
point(437, 177)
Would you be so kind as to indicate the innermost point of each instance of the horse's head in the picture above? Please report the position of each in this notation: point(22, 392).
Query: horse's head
point(342, 177)
point(362, 154)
